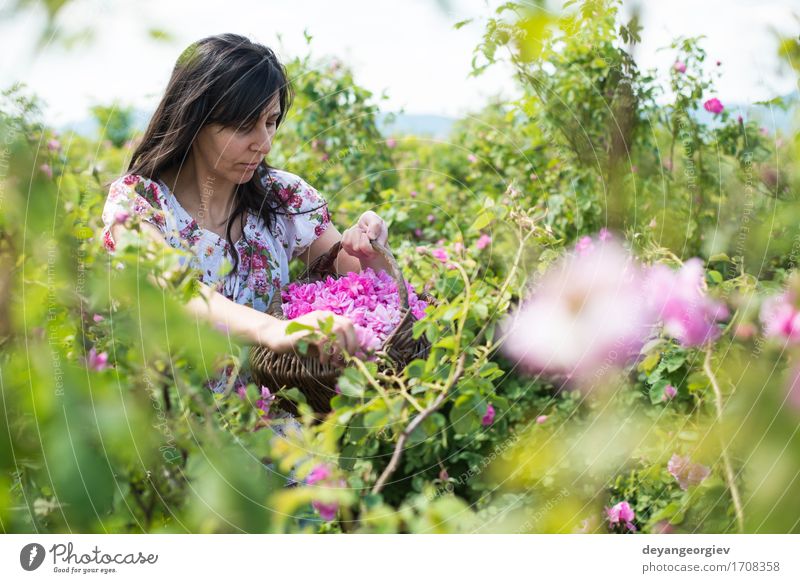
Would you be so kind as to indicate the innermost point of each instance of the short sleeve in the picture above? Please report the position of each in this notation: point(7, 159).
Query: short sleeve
point(307, 215)
point(129, 196)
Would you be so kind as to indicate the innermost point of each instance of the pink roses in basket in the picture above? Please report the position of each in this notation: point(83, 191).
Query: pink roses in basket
point(369, 299)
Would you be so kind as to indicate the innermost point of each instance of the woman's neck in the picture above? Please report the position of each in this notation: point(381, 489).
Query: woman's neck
point(201, 191)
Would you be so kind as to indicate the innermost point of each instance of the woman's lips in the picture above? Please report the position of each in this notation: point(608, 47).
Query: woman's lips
point(250, 166)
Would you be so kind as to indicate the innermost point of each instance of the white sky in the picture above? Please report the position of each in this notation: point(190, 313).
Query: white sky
point(409, 49)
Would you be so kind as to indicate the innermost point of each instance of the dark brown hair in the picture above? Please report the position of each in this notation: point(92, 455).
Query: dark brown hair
point(226, 80)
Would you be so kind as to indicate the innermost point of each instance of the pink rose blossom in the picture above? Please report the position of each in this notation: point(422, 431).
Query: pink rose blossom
point(440, 254)
point(488, 417)
point(95, 361)
point(680, 302)
point(621, 513)
point(483, 241)
point(322, 475)
point(685, 472)
point(584, 245)
point(265, 401)
point(714, 105)
point(669, 393)
point(586, 313)
point(679, 66)
point(327, 511)
point(780, 317)
point(369, 300)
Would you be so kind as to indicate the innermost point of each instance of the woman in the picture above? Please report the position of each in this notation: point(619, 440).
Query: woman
point(199, 178)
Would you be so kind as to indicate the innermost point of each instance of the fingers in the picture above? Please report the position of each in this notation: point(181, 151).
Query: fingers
point(356, 242)
point(331, 350)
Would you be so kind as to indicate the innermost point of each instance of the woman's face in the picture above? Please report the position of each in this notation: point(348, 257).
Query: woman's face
point(235, 153)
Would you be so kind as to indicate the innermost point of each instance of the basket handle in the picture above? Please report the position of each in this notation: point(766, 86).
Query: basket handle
point(324, 264)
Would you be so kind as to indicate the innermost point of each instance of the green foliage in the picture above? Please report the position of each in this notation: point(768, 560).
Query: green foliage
point(142, 445)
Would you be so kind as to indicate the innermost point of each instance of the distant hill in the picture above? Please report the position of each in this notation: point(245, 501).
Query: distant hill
point(435, 126)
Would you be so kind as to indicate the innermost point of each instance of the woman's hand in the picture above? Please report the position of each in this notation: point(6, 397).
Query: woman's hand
point(275, 338)
point(356, 239)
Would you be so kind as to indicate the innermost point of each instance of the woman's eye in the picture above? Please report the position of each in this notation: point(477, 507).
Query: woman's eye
point(272, 122)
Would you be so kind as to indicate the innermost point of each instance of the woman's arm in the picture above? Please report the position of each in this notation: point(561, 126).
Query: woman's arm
point(248, 324)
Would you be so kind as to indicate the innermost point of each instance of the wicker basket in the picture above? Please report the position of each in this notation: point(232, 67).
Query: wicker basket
point(315, 380)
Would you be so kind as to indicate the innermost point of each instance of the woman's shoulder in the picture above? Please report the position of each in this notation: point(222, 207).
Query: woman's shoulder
point(293, 190)
point(281, 177)
point(130, 184)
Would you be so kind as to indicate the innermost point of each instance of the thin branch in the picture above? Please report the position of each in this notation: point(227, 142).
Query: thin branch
point(398, 450)
point(730, 479)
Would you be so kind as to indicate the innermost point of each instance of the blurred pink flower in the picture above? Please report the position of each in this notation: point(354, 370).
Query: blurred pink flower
point(584, 245)
point(95, 361)
point(418, 233)
point(685, 472)
point(541, 419)
point(318, 473)
point(53, 145)
point(440, 254)
point(679, 66)
point(483, 241)
point(391, 143)
point(321, 475)
point(430, 186)
point(678, 299)
point(780, 317)
point(265, 401)
point(98, 318)
point(714, 105)
point(621, 513)
point(431, 218)
point(46, 170)
point(327, 511)
point(587, 313)
point(669, 393)
point(488, 417)
point(472, 158)
point(413, 194)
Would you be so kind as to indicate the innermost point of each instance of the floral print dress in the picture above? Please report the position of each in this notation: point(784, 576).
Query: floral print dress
point(264, 255)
